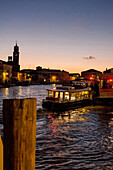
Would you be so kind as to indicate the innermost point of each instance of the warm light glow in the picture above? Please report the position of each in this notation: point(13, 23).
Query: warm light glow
point(73, 78)
point(91, 78)
point(6, 91)
point(4, 76)
point(53, 78)
point(110, 80)
point(54, 86)
point(22, 77)
point(56, 94)
point(29, 79)
point(86, 92)
point(66, 96)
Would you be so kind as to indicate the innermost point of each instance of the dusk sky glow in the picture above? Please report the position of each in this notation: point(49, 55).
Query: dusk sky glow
point(58, 33)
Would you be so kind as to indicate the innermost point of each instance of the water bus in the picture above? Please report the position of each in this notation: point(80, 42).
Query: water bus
point(66, 98)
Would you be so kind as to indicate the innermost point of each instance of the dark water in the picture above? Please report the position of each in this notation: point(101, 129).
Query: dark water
point(77, 139)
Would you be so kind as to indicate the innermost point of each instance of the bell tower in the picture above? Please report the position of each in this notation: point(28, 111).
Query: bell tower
point(16, 66)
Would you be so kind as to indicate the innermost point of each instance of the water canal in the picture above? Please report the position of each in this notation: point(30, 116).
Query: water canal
point(76, 139)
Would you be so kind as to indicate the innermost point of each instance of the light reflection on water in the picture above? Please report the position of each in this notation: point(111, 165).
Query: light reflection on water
point(76, 139)
point(36, 91)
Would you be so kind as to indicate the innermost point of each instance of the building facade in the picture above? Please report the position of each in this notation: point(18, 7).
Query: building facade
point(73, 76)
point(92, 74)
point(5, 73)
point(46, 76)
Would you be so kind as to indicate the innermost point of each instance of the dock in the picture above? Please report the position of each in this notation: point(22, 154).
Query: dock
point(105, 98)
point(103, 101)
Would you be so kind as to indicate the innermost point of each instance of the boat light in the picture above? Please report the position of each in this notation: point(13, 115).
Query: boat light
point(54, 87)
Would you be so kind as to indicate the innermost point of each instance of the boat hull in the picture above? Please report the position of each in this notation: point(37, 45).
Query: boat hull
point(63, 106)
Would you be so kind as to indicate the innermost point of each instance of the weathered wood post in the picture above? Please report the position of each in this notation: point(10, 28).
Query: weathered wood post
point(19, 116)
point(1, 154)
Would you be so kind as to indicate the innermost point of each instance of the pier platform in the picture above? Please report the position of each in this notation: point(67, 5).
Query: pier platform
point(103, 101)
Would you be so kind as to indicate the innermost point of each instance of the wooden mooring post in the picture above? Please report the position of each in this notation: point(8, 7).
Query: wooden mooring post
point(1, 154)
point(19, 117)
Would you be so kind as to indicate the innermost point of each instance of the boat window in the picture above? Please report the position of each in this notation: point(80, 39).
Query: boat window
point(56, 94)
point(73, 96)
point(50, 94)
point(79, 96)
point(86, 92)
point(86, 96)
point(61, 96)
point(66, 97)
point(82, 92)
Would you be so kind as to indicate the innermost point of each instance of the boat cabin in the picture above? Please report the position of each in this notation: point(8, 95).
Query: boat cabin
point(81, 84)
point(64, 94)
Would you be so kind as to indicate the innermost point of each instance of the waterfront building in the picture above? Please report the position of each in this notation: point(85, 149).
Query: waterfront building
point(5, 72)
point(109, 71)
point(43, 75)
point(30, 75)
point(16, 66)
point(10, 70)
point(52, 75)
point(92, 74)
point(15, 61)
point(73, 76)
point(10, 62)
point(19, 77)
point(106, 83)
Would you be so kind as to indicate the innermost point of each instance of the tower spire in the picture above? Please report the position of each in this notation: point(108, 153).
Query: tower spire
point(16, 66)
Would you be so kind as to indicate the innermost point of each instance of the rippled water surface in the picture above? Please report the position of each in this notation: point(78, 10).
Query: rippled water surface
point(77, 139)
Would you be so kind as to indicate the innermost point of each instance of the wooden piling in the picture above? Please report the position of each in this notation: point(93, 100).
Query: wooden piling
point(19, 116)
point(1, 154)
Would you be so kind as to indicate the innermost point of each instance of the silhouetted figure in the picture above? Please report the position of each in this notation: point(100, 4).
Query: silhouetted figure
point(96, 89)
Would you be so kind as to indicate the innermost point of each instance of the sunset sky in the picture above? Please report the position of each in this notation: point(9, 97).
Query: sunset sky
point(58, 34)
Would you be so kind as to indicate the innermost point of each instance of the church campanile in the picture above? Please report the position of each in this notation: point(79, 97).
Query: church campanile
point(16, 66)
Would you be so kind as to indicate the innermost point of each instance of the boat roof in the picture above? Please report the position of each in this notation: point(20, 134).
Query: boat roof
point(80, 82)
point(68, 90)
